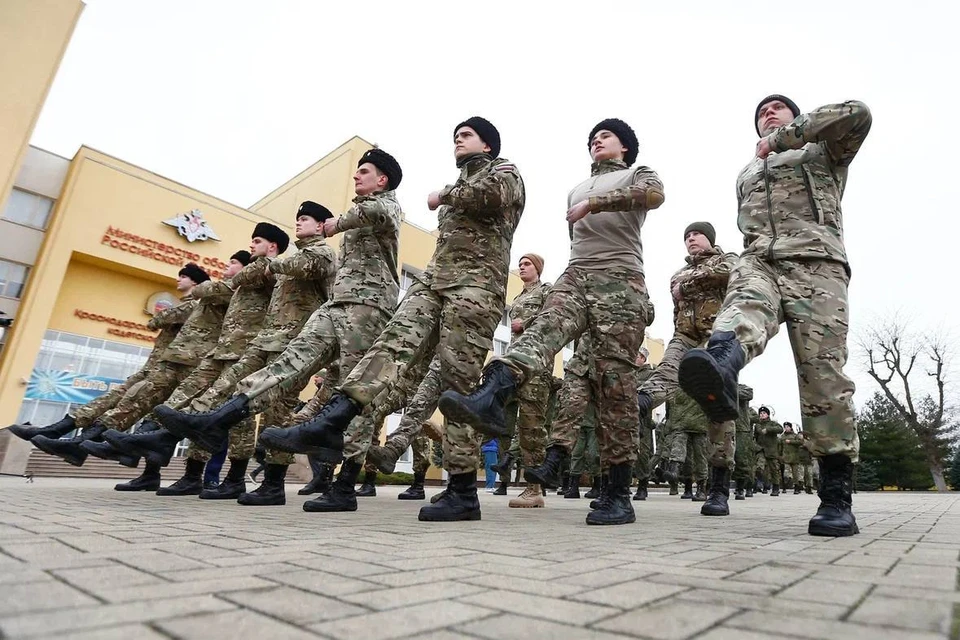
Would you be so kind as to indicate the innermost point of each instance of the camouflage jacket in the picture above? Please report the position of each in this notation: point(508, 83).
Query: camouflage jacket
point(789, 203)
point(367, 261)
point(745, 420)
point(480, 212)
point(527, 305)
point(168, 322)
point(201, 330)
point(252, 288)
point(702, 284)
point(303, 284)
point(803, 454)
point(684, 414)
point(791, 444)
point(767, 433)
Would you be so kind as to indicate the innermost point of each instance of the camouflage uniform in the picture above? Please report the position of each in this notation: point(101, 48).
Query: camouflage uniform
point(529, 408)
point(806, 462)
point(746, 455)
point(455, 311)
point(168, 321)
point(702, 284)
point(689, 425)
point(303, 283)
point(791, 443)
point(421, 405)
point(197, 336)
point(575, 427)
point(602, 295)
point(794, 266)
point(768, 432)
point(643, 468)
point(251, 289)
point(342, 330)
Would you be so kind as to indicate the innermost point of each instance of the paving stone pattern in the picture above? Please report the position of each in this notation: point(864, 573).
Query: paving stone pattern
point(81, 561)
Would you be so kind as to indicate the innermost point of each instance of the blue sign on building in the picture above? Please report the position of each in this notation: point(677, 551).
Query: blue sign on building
point(63, 386)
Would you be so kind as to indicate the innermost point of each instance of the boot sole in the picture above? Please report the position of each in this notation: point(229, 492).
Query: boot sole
point(133, 449)
point(245, 503)
point(219, 496)
point(143, 488)
point(324, 454)
point(534, 478)
point(403, 497)
point(832, 532)
point(311, 509)
point(526, 506)
point(66, 457)
point(470, 517)
point(454, 411)
point(612, 522)
point(708, 513)
point(175, 494)
point(702, 382)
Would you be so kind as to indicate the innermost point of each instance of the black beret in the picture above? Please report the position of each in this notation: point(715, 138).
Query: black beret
point(387, 165)
point(485, 129)
point(272, 233)
point(794, 109)
point(764, 409)
point(242, 256)
point(316, 211)
point(703, 227)
point(194, 272)
point(624, 133)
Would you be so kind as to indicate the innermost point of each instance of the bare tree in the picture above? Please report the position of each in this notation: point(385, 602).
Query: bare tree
point(896, 359)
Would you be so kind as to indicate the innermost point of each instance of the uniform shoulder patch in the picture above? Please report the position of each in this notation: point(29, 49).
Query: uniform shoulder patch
point(506, 166)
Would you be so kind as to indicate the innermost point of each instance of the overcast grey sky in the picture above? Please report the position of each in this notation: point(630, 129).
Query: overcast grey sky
point(233, 98)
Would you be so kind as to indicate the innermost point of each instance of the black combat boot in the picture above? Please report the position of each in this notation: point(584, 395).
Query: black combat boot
point(271, 491)
point(674, 491)
point(749, 493)
point(384, 458)
point(599, 482)
point(835, 516)
point(775, 491)
point(739, 495)
point(700, 495)
point(766, 488)
point(460, 501)
point(671, 472)
point(234, 484)
point(342, 495)
point(149, 480)
point(615, 507)
point(156, 446)
point(58, 429)
point(573, 491)
point(641, 493)
point(322, 478)
point(709, 376)
point(565, 485)
point(106, 451)
point(369, 487)
point(482, 409)
point(69, 450)
point(548, 473)
point(321, 436)
point(808, 489)
point(414, 491)
point(504, 465)
point(191, 484)
point(687, 490)
point(716, 502)
point(208, 430)
point(501, 489)
point(797, 488)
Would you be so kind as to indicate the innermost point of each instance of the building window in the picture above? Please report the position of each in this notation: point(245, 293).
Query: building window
point(505, 320)
point(12, 278)
point(499, 346)
point(28, 209)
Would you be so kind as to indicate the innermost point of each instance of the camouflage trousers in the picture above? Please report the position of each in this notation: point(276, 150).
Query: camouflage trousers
point(84, 415)
point(691, 446)
point(528, 415)
point(642, 468)
point(811, 298)
point(798, 473)
point(421, 453)
point(663, 382)
point(575, 407)
point(745, 458)
point(611, 310)
point(772, 471)
point(420, 407)
point(142, 397)
point(456, 323)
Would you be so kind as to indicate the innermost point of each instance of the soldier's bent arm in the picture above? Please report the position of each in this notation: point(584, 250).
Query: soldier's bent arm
point(721, 275)
point(308, 264)
point(646, 192)
point(367, 212)
point(489, 195)
point(174, 315)
point(254, 275)
point(842, 128)
point(212, 289)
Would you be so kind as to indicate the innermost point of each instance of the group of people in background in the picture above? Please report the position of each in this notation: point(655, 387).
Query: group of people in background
point(234, 355)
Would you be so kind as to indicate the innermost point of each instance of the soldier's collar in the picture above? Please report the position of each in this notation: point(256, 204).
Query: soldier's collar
point(306, 242)
point(607, 166)
point(706, 253)
point(388, 193)
point(470, 164)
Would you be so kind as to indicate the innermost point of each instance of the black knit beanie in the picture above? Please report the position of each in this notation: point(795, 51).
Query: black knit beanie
point(242, 256)
point(387, 165)
point(272, 233)
point(624, 133)
point(794, 109)
point(194, 272)
point(485, 129)
point(703, 227)
point(316, 211)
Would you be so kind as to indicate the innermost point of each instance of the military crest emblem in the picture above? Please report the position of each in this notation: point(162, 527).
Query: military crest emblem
point(192, 226)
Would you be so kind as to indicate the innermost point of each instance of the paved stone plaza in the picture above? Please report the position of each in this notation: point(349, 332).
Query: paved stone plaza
point(78, 560)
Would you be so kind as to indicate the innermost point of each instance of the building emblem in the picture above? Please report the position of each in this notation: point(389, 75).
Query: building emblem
point(160, 301)
point(192, 226)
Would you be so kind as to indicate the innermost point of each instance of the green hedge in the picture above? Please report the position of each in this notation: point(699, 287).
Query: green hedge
point(396, 477)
